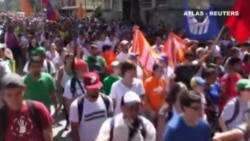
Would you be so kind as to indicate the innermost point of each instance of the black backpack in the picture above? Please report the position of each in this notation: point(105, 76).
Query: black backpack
point(132, 131)
point(73, 82)
point(4, 119)
point(235, 112)
point(48, 66)
point(80, 104)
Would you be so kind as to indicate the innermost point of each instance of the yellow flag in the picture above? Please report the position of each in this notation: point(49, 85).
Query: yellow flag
point(26, 7)
point(80, 12)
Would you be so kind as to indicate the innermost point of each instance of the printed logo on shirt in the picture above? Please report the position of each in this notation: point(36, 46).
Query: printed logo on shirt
point(21, 126)
point(158, 89)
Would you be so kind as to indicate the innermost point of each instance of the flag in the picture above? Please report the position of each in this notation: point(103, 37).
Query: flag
point(141, 47)
point(80, 12)
point(174, 48)
point(26, 7)
point(110, 57)
point(51, 13)
point(45, 2)
point(239, 26)
point(207, 29)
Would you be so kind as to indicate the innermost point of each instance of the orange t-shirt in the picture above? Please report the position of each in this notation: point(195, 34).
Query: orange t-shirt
point(155, 89)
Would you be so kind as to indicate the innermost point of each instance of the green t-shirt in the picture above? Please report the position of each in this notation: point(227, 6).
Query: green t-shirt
point(40, 89)
point(107, 83)
point(97, 64)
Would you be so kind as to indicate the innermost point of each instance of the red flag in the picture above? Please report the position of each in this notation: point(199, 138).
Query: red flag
point(240, 25)
point(146, 54)
point(45, 2)
point(174, 48)
point(51, 13)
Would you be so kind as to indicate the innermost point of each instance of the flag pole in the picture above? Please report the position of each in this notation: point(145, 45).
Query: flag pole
point(218, 37)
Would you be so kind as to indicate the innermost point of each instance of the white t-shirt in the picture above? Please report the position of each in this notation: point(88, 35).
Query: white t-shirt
point(94, 114)
point(168, 74)
point(121, 130)
point(78, 92)
point(122, 57)
point(55, 59)
point(45, 67)
point(118, 89)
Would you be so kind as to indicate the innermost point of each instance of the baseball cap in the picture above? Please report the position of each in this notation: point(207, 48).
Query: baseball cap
point(243, 84)
point(197, 81)
point(124, 42)
point(80, 64)
point(163, 57)
point(12, 80)
point(40, 50)
point(130, 98)
point(92, 80)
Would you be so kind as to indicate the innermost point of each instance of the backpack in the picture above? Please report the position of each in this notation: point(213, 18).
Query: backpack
point(2, 70)
point(4, 119)
point(131, 131)
point(48, 66)
point(235, 112)
point(80, 104)
point(73, 82)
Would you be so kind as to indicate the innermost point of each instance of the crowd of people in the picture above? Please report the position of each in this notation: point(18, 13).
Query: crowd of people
point(86, 70)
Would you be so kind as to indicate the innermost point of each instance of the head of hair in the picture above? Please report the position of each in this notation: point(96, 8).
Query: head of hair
point(35, 60)
point(189, 97)
point(127, 66)
point(208, 72)
point(155, 67)
point(174, 91)
point(246, 57)
point(234, 60)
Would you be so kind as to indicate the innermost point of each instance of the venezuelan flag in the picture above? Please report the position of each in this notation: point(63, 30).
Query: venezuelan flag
point(51, 13)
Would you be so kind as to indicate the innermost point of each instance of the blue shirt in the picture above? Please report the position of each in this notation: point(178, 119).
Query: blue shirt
point(215, 92)
point(178, 130)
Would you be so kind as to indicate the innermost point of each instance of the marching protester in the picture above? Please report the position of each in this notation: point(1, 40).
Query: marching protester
point(190, 125)
point(74, 87)
point(40, 85)
point(47, 66)
point(86, 121)
point(22, 119)
point(129, 124)
point(129, 82)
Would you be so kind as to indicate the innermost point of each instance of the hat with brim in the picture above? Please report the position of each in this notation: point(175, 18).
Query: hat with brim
point(40, 50)
point(197, 81)
point(130, 98)
point(92, 80)
point(243, 84)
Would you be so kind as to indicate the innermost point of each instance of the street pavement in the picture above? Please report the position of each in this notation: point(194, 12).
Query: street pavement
point(58, 128)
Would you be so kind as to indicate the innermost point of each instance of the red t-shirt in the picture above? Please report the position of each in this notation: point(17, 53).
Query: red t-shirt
point(21, 126)
point(228, 83)
point(246, 68)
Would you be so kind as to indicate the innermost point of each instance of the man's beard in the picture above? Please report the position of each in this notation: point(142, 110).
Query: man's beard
point(94, 96)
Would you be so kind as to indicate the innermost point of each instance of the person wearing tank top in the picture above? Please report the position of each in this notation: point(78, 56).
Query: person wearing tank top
point(64, 74)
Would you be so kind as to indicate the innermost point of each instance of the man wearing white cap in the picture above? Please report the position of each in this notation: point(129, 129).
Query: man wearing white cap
point(128, 125)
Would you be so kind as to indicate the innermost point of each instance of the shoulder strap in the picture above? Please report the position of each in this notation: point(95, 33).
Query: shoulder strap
point(112, 126)
point(235, 112)
point(80, 85)
point(73, 86)
point(143, 129)
point(107, 105)
point(48, 66)
point(80, 103)
point(3, 122)
point(34, 113)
